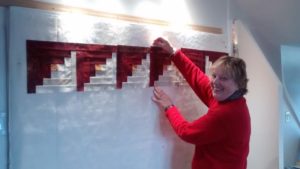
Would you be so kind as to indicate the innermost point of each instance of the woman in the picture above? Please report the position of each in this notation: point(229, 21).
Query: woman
point(221, 136)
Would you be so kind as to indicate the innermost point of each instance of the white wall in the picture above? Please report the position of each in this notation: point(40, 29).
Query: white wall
point(263, 100)
point(201, 12)
point(3, 115)
point(39, 114)
point(92, 130)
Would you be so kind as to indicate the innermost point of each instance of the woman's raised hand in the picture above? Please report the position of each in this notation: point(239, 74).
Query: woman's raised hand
point(164, 44)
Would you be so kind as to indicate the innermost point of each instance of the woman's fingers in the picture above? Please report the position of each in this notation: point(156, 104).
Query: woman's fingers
point(158, 41)
point(161, 98)
point(156, 90)
point(155, 99)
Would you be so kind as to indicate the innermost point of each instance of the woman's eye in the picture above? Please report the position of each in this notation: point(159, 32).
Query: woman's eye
point(223, 78)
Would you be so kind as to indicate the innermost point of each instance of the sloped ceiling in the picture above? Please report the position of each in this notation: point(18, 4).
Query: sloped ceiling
point(272, 23)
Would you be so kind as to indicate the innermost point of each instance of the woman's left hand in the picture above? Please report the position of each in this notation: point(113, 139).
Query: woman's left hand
point(161, 98)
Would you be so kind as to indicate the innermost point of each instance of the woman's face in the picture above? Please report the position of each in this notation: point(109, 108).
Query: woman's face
point(222, 84)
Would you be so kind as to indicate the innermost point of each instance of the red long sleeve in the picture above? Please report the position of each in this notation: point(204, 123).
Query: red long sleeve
point(198, 81)
point(206, 129)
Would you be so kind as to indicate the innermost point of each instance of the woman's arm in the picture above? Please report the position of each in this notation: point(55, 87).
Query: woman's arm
point(207, 129)
point(194, 76)
point(198, 80)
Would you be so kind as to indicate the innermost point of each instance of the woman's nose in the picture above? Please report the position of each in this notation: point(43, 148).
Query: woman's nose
point(215, 80)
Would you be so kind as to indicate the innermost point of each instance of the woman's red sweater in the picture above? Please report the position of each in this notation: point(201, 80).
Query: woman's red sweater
point(221, 136)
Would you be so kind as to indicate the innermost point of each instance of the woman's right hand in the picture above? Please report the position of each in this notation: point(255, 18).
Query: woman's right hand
point(164, 44)
point(161, 98)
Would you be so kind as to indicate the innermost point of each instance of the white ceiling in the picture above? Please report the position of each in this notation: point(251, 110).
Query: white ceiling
point(272, 22)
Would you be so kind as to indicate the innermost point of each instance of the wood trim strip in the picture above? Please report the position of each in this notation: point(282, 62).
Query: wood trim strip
point(134, 19)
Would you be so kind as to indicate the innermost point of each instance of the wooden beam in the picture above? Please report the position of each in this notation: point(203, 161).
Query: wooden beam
point(64, 8)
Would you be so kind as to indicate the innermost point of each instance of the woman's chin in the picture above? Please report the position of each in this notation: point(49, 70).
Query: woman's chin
point(218, 97)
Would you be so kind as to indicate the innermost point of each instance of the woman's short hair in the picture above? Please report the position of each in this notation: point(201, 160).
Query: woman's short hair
point(236, 69)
